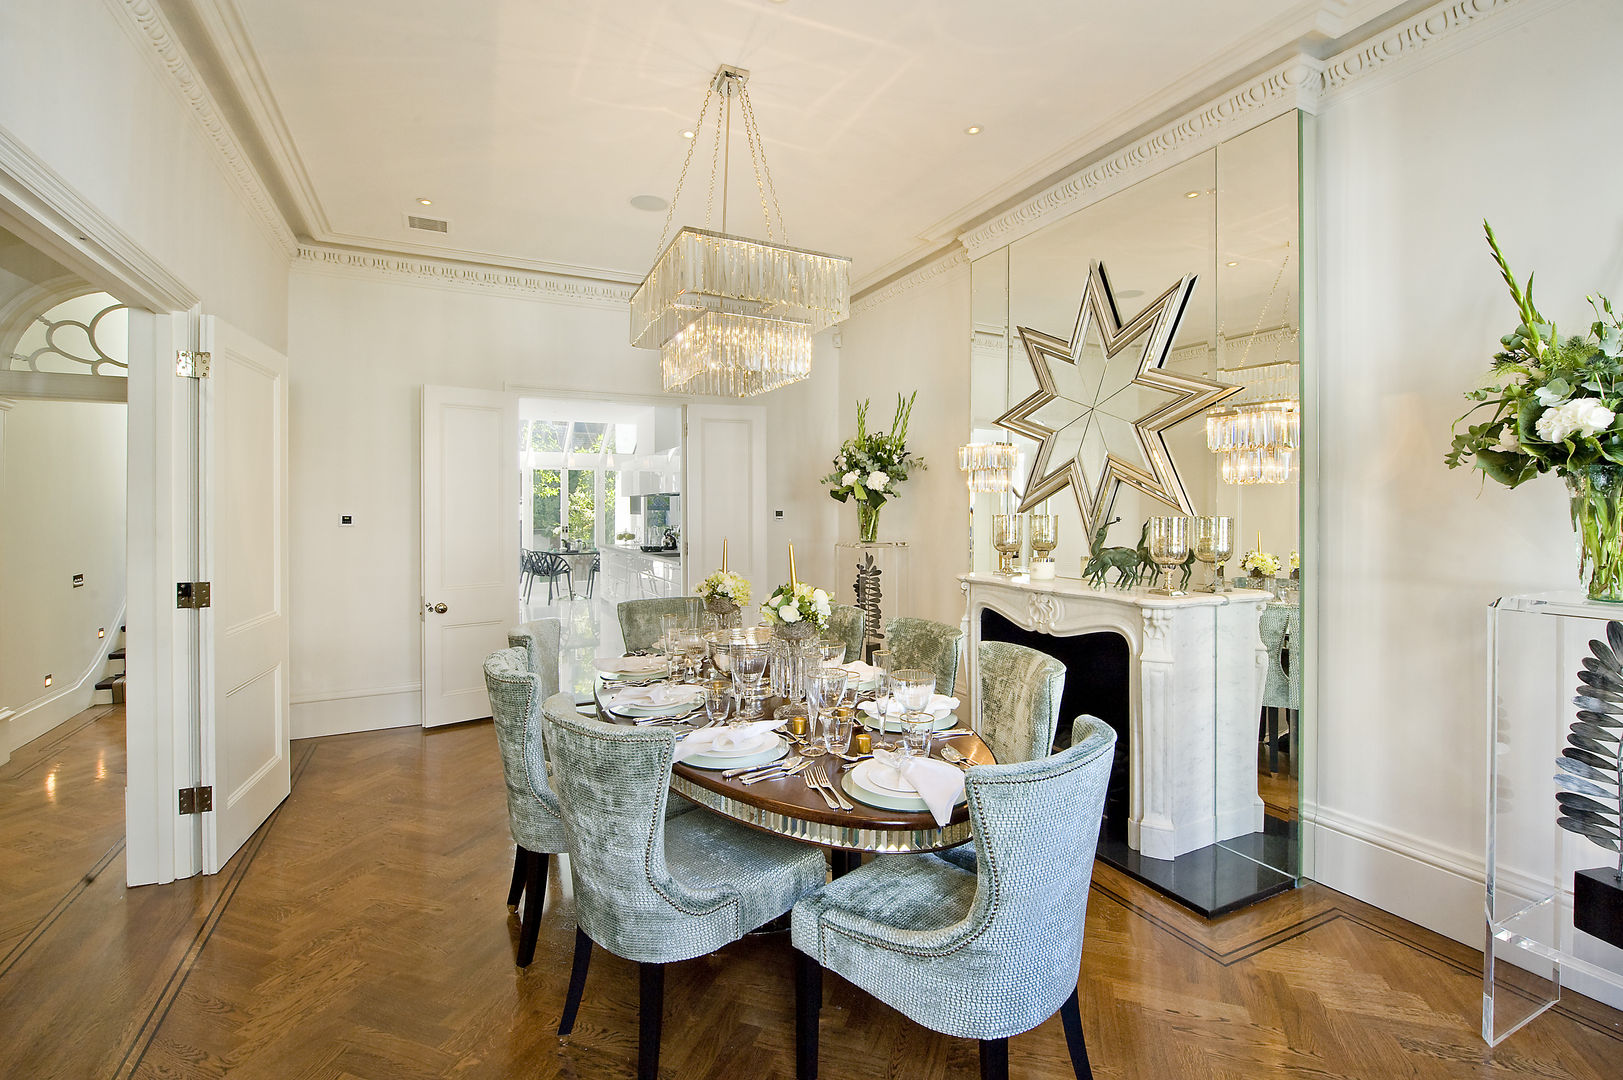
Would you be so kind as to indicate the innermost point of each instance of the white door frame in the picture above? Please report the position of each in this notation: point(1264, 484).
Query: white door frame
point(40, 208)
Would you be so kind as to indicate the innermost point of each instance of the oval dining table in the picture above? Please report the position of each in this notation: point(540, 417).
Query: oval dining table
point(789, 807)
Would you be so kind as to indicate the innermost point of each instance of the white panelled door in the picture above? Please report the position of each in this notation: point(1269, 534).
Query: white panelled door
point(470, 545)
point(724, 493)
point(245, 683)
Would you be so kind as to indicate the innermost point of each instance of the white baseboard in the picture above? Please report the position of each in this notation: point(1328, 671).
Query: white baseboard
point(344, 712)
point(29, 721)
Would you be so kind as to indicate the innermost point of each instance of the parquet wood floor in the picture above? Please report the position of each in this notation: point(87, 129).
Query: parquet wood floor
point(362, 935)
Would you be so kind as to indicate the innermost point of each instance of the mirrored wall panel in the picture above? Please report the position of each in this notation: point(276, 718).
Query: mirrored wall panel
point(1143, 357)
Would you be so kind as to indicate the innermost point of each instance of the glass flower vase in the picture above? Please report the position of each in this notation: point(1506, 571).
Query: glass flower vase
point(1597, 518)
point(868, 522)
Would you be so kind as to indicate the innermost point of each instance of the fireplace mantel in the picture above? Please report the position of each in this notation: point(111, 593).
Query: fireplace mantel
point(1196, 677)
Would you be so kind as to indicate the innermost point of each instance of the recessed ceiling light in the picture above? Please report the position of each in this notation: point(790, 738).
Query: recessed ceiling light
point(687, 134)
point(974, 129)
point(1233, 263)
point(1191, 194)
point(650, 203)
point(426, 202)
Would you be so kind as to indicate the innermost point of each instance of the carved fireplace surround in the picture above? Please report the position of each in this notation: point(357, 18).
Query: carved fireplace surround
point(1196, 676)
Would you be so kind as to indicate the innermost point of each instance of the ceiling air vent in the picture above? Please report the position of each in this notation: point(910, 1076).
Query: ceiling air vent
point(427, 224)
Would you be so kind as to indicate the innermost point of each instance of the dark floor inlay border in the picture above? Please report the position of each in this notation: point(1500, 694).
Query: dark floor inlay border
point(74, 892)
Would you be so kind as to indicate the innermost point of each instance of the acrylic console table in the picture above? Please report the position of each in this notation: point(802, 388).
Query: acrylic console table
point(1536, 646)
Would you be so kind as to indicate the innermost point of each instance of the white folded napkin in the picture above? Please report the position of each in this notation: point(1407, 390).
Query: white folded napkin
point(712, 739)
point(656, 696)
point(630, 665)
point(937, 783)
point(940, 706)
point(861, 672)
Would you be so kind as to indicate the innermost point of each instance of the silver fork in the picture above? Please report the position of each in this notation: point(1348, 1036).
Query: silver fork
point(782, 774)
point(810, 776)
point(822, 778)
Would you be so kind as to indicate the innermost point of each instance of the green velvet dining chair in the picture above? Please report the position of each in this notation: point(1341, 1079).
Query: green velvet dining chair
point(928, 646)
point(639, 619)
point(846, 623)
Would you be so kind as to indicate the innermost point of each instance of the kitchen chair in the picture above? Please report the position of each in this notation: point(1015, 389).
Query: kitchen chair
point(651, 889)
point(532, 808)
point(927, 645)
point(552, 566)
point(977, 955)
point(639, 619)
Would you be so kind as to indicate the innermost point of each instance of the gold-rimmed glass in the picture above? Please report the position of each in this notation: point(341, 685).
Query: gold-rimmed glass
point(1006, 531)
point(1214, 546)
point(1169, 547)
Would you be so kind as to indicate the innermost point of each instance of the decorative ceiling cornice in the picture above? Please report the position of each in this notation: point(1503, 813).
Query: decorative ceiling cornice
point(1301, 82)
point(944, 263)
point(143, 20)
point(527, 284)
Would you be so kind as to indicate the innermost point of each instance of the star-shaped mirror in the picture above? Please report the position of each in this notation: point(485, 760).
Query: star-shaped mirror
point(1101, 407)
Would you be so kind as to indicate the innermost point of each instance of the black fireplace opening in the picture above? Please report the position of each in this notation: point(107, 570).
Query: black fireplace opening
point(1212, 880)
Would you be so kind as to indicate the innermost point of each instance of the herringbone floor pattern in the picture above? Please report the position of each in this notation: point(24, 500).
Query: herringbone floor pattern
point(362, 935)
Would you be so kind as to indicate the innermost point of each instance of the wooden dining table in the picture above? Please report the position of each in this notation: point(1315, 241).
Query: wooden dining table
point(792, 808)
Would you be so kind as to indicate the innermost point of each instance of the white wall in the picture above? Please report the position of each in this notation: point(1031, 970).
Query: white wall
point(361, 348)
point(61, 514)
point(1412, 310)
point(918, 340)
point(79, 91)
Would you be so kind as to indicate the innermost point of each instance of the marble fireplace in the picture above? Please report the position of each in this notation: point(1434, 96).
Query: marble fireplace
point(1195, 673)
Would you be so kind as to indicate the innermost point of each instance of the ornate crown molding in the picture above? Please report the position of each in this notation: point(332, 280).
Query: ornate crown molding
point(1301, 82)
point(527, 284)
point(147, 25)
point(937, 267)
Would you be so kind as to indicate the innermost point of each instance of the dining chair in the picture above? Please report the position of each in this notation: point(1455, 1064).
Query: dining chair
point(1019, 701)
point(592, 571)
point(984, 954)
point(1281, 631)
point(650, 889)
point(532, 808)
point(552, 566)
point(927, 645)
point(846, 623)
point(539, 640)
point(639, 619)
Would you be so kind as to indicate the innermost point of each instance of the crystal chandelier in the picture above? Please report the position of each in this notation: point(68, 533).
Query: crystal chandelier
point(988, 467)
point(732, 316)
point(1258, 434)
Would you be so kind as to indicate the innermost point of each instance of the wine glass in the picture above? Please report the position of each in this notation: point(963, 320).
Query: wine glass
point(1169, 547)
point(1006, 529)
point(825, 686)
point(1214, 546)
point(914, 689)
point(748, 660)
point(832, 652)
point(690, 644)
point(718, 699)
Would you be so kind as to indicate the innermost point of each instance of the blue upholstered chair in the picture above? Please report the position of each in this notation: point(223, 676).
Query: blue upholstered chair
point(639, 619)
point(651, 889)
point(1281, 630)
point(532, 808)
point(927, 646)
point(539, 640)
point(979, 955)
point(846, 623)
point(1019, 702)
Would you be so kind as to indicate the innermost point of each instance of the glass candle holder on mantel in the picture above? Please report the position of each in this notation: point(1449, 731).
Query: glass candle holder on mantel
point(877, 578)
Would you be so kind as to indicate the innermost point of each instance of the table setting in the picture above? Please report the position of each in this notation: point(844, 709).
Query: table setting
point(817, 758)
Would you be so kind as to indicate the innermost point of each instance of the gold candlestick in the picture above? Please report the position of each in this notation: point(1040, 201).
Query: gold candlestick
point(793, 581)
point(723, 554)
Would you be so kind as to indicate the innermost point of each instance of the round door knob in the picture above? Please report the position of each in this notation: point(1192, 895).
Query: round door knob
point(438, 609)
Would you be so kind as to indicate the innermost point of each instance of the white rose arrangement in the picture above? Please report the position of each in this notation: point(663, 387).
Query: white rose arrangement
point(872, 466)
point(1260, 563)
point(795, 603)
point(725, 585)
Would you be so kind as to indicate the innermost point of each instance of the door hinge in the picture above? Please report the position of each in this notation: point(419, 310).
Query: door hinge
point(196, 800)
point(191, 594)
point(192, 365)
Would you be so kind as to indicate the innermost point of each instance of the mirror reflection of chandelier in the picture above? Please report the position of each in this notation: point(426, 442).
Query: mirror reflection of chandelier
point(729, 315)
point(988, 467)
point(1258, 433)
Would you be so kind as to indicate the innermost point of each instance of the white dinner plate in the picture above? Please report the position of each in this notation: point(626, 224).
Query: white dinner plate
point(773, 752)
point(761, 741)
point(886, 780)
point(860, 786)
point(635, 666)
point(675, 708)
point(895, 726)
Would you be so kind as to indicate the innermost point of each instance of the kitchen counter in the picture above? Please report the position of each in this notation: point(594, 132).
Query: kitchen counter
point(632, 574)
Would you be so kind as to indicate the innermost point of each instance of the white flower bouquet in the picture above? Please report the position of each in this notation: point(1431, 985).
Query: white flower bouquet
point(791, 605)
point(870, 467)
point(724, 586)
point(1260, 564)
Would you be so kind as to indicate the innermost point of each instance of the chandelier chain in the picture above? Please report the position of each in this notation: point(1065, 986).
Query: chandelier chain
point(715, 166)
point(1262, 313)
point(753, 128)
point(687, 159)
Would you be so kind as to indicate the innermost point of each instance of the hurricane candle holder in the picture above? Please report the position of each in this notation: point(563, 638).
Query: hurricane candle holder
point(1006, 540)
point(1214, 546)
point(1169, 547)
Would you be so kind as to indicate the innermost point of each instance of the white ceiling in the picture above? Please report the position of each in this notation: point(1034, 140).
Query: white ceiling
point(531, 124)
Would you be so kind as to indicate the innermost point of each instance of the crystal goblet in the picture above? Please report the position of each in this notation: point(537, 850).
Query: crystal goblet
point(1214, 546)
point(1169, 547)
point(1006, 529)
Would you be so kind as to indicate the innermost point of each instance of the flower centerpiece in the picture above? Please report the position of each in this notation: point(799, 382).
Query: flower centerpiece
point(1260, 564)
point(1552, 405)
point(1296, 566)
point(724, 592)
point(796, 611)
point(870, 467)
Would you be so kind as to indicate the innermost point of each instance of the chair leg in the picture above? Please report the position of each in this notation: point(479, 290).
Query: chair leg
point(650, 1012)
point(843, 862)
point(1070, 1014)
point(994, 1059)
point(515, 891)
point(808, 1007)
point(536, 885)
point(577, 981)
